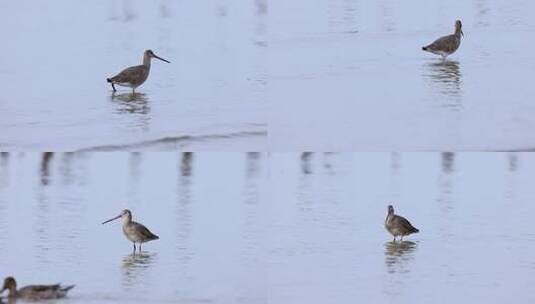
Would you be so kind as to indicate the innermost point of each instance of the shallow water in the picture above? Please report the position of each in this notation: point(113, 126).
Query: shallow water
point(474, 212)
point(53, 72)
point(206, 208)
point(352, 75)
point(283, 228)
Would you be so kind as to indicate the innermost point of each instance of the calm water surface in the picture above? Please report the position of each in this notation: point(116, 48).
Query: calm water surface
point(53, 72)
point(474, 211)
point(206, 208)
point(317, 236)
point(352, 75)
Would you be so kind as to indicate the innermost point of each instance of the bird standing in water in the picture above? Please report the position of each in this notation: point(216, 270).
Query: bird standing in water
point(34, 292)
point(134, 76)
point(446, 45)
point(398, 225)
point(135, 232)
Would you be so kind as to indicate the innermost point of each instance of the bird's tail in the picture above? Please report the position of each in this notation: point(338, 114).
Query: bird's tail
point(415, 230)
point(67, 288)
point(108, 80)
point(424, 48)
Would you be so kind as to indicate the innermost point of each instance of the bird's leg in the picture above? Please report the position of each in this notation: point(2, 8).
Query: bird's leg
point(139, 247)
point(401, 238)
point(394, 239)
point(113, 87)
point(134, 248)
point(133, 91)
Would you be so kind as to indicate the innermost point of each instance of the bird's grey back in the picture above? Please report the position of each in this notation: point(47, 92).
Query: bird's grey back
point(144, 232)
point(403, 223)
point(135, 74)
point(448, 43)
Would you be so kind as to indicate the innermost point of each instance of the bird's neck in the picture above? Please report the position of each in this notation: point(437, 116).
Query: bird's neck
point(458, 32)
point(146, 61)
point(127, 220)
point(12, 291)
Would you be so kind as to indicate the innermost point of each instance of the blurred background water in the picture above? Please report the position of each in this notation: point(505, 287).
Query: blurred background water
point(57, 56)
point(474, 211)
point(351, 75)
point(277, 228)
point(208, 210)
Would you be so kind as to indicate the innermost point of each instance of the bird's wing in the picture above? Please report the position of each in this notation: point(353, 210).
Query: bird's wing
point(67, 288)
point(405, 224)
point(129, 73)
point(39, 288)
point(446, 43)
point(145, 231)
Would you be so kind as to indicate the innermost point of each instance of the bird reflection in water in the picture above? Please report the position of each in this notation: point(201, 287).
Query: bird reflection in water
point(186, 164)
point(4, 166)
point(135, 266)
point(398, 255)
point(446, 78)
point(137, 103)
point(253, 160)
point(306, 163)
point(46, 157)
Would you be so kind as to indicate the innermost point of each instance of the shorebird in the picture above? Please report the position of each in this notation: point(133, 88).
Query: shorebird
point(398, 225)
point(446, 45)
point(34, 292)
point(134, 76)
point(135, 232)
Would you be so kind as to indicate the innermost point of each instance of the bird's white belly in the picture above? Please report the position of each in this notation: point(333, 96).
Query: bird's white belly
point(126, 84)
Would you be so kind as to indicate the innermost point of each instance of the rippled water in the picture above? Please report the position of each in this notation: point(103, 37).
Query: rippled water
point(352, 75)
point(53, 73)
point(317, 236)
point(206, 208)
point(474, 212)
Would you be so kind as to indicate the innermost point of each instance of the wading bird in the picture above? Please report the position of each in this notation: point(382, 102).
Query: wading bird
point(398, 225)
point(134, 232)
point(134, 76)
point(446, 45)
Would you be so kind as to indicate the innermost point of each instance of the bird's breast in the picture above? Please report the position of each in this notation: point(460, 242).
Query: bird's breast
point(131, 233)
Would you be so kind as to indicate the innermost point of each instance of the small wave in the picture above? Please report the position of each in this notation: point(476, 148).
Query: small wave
point(172, 140)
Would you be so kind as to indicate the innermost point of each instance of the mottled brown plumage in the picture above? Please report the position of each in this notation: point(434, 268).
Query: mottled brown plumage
point(398, 225)
point(135, 232)
point(446, 45)
point(134, 76)
point(34, 292)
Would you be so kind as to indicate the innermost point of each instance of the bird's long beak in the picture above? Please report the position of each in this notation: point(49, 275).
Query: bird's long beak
point(160, 58)
point(112, 219)
point(462, 33)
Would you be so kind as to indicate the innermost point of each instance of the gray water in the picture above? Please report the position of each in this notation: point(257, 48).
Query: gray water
point(206, 208)
point(278, 228)
point(342, 75)
point(351, 75)
point(57, 56)
point(474, 211)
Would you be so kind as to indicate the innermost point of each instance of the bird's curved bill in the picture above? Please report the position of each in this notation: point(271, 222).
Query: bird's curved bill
point(112, 219)
point(160, 58)
point(462, 33)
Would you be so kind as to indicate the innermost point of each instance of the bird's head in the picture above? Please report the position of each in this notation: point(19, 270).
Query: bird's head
point(150, 54)
point(458, 27)
point(9, 284)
